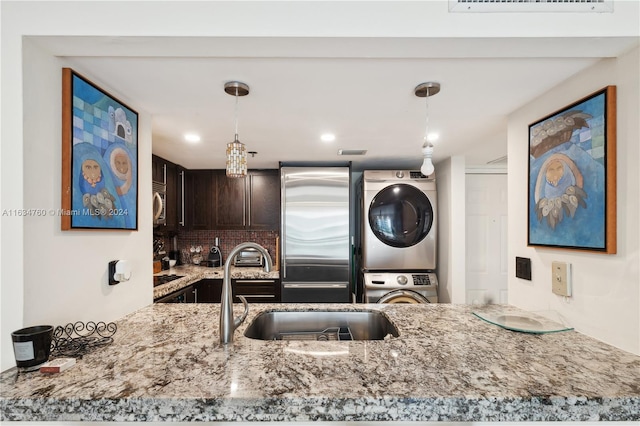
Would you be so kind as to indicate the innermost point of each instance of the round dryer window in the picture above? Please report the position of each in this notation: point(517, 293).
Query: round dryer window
point(400, 215)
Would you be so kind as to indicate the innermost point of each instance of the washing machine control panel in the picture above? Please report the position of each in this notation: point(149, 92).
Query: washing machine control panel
point(421, 279)
point(400, 279)
point(379, 284)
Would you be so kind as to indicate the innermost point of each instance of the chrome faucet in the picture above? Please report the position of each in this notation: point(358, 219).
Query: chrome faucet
point(228, 324)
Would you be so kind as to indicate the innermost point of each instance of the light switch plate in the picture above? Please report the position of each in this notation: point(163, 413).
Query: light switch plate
point(561, 278)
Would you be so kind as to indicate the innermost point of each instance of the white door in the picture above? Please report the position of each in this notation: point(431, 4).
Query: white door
point(486, 238)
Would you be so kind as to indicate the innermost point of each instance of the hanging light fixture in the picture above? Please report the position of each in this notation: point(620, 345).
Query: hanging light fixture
point(236, 151)
point(424, 90)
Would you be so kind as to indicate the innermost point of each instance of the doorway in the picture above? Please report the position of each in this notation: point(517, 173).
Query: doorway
point(486, 237)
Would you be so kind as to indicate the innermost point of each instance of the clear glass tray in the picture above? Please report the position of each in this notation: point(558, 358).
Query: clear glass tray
point(525, 322)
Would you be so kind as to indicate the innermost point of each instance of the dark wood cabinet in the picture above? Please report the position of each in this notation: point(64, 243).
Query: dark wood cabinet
point(229, 201)
point(171, 198)
point(199, 210)
point(180, 198)
point(264, 200)
point(208, 290)
point(184, 295)
point(256, 290)
point(208, 199)
point(157, 169)
point(250, 203)
point(166, 172)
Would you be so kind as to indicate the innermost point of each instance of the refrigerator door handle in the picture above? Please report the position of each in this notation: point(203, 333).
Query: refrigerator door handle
point(316, 285)
point(283, 225)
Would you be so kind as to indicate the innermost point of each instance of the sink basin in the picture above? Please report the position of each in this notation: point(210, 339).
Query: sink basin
point(321, 325)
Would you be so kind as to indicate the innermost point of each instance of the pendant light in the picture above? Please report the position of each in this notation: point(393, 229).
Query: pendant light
point(425, 90)
point(236, 151)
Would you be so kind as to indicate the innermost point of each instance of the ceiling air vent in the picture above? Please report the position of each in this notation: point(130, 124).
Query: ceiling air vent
point(352, 151)
point(490, 6)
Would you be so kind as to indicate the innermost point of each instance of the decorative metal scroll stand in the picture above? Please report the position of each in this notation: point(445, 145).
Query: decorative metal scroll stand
point(78, 339)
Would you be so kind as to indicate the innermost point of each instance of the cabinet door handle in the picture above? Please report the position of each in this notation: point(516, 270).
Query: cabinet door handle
point(195, 295)
point(283, 226)
point(164, 173)
point(255, 281)
point(182, 194)
point(249, 192)
point(255, 296)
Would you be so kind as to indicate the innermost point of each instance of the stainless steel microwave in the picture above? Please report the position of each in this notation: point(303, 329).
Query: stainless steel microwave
point(159, 203)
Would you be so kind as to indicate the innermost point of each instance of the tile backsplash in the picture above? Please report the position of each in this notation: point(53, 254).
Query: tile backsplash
point(228, 240)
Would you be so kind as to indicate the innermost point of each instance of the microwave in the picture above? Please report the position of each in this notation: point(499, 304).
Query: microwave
point(159, 203)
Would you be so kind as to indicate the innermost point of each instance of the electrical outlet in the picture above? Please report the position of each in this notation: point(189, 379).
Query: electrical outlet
point(561, 278)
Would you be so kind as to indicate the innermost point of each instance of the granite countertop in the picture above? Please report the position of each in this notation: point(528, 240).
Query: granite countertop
point(166, 364)
point(193, 273)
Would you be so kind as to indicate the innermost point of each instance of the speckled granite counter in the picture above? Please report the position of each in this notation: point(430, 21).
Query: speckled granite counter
point(192, 273)
point(447, 364)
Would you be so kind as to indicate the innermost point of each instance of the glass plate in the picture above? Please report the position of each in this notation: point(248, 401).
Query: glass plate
point(524, 322)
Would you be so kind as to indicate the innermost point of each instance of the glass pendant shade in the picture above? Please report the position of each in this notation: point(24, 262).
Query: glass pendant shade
point(236, 151)
point(236, 159)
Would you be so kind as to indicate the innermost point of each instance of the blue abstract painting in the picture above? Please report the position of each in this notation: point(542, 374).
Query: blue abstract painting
point(104, 159)
point(568, 188)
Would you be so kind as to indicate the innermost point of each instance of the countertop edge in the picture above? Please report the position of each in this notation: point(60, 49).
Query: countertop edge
point(327, 409)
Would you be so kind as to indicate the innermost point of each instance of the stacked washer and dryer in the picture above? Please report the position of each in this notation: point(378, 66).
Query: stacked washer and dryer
point(398, 237)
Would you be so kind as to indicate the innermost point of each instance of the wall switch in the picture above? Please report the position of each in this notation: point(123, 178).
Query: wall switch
point(561, 278)
point(523, 268)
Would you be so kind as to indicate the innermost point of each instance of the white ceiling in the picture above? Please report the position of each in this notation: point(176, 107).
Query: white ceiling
point(361, 89)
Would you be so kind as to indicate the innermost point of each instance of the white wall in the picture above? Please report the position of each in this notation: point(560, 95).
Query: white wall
point(606, 288)
point(49, 276)
point(450, 175)
point(69, 279)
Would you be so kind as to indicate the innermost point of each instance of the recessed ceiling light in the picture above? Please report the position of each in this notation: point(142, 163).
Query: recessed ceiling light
point(192, 137)
point(328, 137)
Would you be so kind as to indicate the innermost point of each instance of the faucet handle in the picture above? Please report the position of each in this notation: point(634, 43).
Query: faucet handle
point(239, 320)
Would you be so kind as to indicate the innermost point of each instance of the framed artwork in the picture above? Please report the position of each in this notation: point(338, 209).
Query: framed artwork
point(99, 158)
point(572, 176)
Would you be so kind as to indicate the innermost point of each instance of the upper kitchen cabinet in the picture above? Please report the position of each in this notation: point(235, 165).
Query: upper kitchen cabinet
point(252, 203)
point(230, 201)
point(158, 169)
point(264, 199)
point(165, 172)
point(171, 212)
point(198, 192)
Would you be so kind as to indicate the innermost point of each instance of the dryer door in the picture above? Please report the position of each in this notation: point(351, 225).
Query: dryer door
point(400, 215)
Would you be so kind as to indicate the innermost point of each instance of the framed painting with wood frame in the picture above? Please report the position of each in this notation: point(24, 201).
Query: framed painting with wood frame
point(572, 176)
point(99, 158)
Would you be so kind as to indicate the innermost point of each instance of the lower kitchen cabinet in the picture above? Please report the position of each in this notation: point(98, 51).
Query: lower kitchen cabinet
point(184, 295)
point(208, 290)
point(256, 290)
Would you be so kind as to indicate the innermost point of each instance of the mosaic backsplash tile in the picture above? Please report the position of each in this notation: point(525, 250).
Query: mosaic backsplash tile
point(228, 240)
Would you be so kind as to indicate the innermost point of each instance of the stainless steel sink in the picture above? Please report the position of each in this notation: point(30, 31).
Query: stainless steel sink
point(321, 325)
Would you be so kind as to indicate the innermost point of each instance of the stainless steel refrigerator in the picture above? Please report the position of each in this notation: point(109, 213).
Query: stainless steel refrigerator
point(316, 249)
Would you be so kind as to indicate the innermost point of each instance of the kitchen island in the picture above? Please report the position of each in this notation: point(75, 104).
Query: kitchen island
point(166, 364)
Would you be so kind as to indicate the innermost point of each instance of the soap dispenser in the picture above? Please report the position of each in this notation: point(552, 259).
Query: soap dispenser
point(215, 254)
